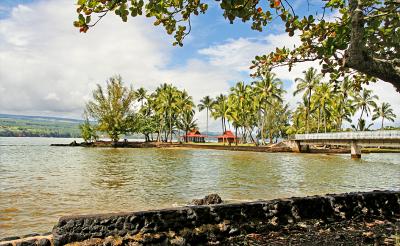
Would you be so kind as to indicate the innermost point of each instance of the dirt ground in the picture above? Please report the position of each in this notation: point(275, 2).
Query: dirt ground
point(371, 232)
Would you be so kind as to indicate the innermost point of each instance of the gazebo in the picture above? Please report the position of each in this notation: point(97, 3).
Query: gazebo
point(194, 136)
point(228, 136)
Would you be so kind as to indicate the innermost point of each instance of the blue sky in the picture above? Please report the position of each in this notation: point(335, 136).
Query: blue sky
point(51, 68)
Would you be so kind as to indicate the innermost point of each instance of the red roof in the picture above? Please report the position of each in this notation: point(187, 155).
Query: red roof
point(227, 134)
point(194, 133)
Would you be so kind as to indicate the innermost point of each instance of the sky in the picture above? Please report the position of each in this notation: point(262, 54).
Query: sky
point(48, 68)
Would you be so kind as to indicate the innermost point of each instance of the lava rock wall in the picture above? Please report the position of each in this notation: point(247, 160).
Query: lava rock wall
point(212, 222)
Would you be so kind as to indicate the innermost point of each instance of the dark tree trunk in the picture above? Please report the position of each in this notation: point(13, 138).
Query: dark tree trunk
point(359, 58)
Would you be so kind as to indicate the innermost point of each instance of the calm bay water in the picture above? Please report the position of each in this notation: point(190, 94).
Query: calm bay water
point(39, 183)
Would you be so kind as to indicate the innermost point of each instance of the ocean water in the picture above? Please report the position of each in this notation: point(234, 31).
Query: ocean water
point(40, 183)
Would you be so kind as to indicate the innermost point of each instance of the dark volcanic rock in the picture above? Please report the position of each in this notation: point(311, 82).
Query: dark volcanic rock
point(9, 238)
point(201, 225)
point(207, 200)
point(44, 242)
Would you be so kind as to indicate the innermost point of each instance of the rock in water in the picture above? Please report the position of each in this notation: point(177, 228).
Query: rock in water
point(207, 200)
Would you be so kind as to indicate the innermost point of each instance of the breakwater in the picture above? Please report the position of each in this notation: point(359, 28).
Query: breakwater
point(202, 224)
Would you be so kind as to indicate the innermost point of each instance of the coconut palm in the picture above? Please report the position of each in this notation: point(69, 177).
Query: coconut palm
point(384, 111)
point(141, 95)
point(362, 126)
point(206, 103)
point(277, 120)
point(323, 95)
point(220, 110)
point(342, 104)
point(298, 118)
point(187, 122)
point(239, 107)
point(307, 84)
point(364, 100)
point(267, 89)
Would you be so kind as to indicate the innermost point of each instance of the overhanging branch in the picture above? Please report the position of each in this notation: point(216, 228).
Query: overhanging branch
point(357, 56)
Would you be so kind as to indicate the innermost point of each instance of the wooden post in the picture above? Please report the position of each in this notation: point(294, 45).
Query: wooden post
point(355, 150)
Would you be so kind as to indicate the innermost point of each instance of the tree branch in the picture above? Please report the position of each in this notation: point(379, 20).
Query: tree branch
point(358, 57)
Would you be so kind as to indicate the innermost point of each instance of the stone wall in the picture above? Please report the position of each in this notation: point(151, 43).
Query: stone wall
point(210, 223)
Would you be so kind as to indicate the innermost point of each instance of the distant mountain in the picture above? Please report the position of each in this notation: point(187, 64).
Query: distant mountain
point(38, 126)
point(45, 118)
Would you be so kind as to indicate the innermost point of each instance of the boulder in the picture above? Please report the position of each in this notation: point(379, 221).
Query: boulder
point(207, 200)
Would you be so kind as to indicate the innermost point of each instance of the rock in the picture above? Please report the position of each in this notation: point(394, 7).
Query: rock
point(10, 238)
point(207, 200)
point(44, 242)
point(26, 243)
point(6, 244)
point(74, 143)
point(31, 235)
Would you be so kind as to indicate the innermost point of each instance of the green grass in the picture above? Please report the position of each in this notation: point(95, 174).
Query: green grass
point(381, 150)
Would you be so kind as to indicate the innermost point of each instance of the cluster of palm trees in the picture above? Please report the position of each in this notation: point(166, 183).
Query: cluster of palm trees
point(165, 112)
point(325, 107)
point(254, 110)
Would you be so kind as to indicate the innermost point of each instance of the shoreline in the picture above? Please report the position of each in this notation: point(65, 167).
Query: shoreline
point(274, 148)
point(367, 217)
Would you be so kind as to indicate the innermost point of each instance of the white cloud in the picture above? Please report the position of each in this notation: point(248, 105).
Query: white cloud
point(48, 67)
point(52, 97)
point(237, 54)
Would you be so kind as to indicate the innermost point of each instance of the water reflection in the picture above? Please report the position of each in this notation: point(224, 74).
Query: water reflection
point(38, 183)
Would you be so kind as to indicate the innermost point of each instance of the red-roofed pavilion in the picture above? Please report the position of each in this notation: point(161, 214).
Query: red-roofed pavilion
point(228, 137)
point(194, 136)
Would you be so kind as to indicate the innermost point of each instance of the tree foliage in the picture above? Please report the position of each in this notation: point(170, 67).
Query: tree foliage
point(362, 41)
point(383, 111)
point(112, 107)
point(88, 131)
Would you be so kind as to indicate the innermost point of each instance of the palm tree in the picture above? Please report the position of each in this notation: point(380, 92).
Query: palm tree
point(206, 103)
point(323, 95)
point(364, 101)
point(267, 89)
point(298, 118)
point(277, 119)
point(384, 111)
point(220, 110)
point(362, 125)
point(239, 107)
point(187, 122)
point(141, 95)
point(342, 103)
point(307, 85)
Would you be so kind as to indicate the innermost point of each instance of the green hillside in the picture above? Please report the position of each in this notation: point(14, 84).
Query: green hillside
point(38, 126)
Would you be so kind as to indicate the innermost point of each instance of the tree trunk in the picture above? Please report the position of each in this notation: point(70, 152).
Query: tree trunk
point(308, 111)
point(251, 137)
point(382, 123)
point(207, 124)
point(325, 120)
point(319, 119)
point(236, 139)
point(170, 127)
point(222, 123)
point(270, 136)
point(358, 57)
point(358, 125)
point(263, 127)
